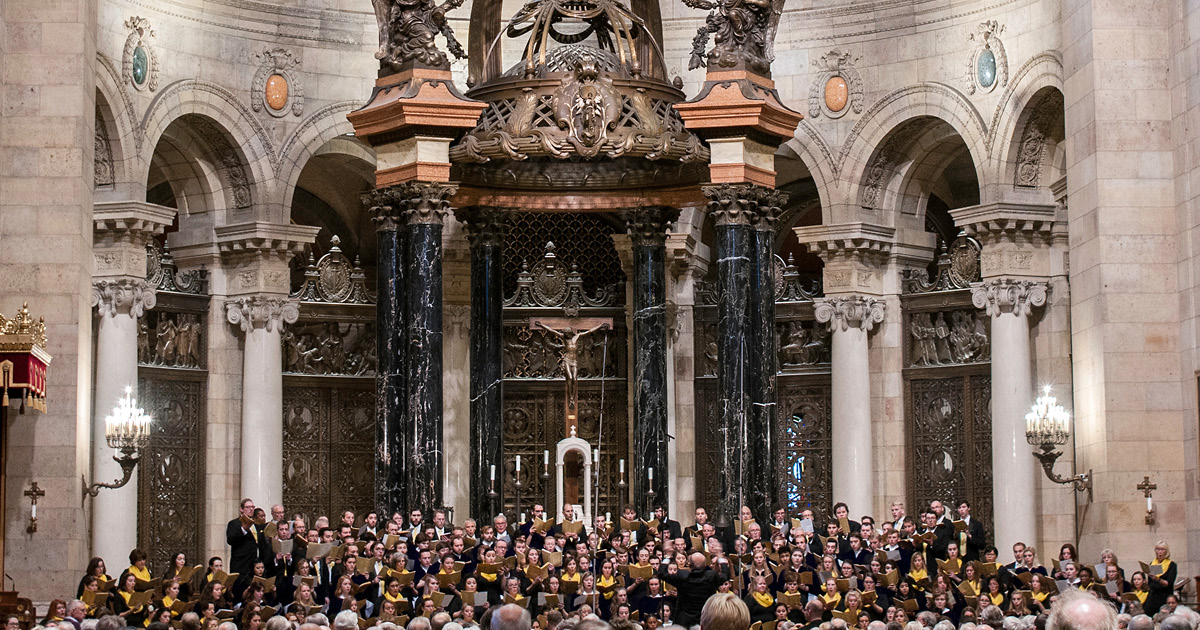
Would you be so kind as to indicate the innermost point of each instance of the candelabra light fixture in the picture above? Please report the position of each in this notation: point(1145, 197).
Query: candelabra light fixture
point(1047, 426)
point(127, 430)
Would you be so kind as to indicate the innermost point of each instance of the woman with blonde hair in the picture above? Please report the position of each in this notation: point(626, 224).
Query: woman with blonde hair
point(1161, 579)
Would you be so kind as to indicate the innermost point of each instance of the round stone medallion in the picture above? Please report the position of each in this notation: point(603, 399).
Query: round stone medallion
point(141, 65)
point(837, 93)
point(277, 92)
point(987, 68)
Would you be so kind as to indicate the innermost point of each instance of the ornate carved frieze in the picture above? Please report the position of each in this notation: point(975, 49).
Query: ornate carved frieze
point(277, 89)
point(486, 226)
point(952, 337)
point(172, 339)
point(384, 207)
point(102, 158)
point(548, 285)
point(802, 343)
point(743, 204)
point(330, 348)
point(132, 296)
point(744, 31)
point(407, 33)
point(789, 286)
point(238, 193)
point(139, 61)
point(1031, 154)
point(419, 202)
point(164, 275)
point(885, 159)
point(332, 279)
point(1005, 295)
point(957, 268)
point(987, 65)
point(257, 311)
point(837, 88)
point(846, 312)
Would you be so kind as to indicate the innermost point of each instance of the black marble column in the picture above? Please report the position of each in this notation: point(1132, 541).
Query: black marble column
point(732, 215)
point(390, 486)
point(648, 227)
point(485, 229)
point(762, 477)
point(425, 210)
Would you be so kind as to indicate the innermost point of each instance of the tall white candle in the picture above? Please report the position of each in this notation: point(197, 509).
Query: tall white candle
point(493, 472)
point(518, 463)
point(546, 458)
point(651, 471)
point(622, 462)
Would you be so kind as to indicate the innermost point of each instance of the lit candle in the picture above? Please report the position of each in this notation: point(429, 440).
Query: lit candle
point(493, 472)
point(607, 516)
point(622, 463)
point(518, 463)
point(522, 517)
point(651, 471)
point(596, 456)
point(546, 458)
point(1149, 505)
point(33, 510)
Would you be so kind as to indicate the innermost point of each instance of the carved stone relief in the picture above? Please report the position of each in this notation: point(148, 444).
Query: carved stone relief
point(538, 354)
point(987, 66)
point(139, 61)
point(277, 89)
point(802, 343)
point(330, 348)
point(102, 159)
point(949, 338)
point(238, 183)
point(1031, 155)
point(837, 87)
point(171, 339)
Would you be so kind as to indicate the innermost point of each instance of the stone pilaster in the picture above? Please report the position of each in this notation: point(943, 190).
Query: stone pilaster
point(1010, 303)
point(851, 319)
point(119, 303)
point(255, 258)
point(261, 320)
point(648, 229)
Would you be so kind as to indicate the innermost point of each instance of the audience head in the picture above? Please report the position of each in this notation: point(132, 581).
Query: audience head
point(419, 623)
point(1075, 610)
point(439, 621)
point(510, 617)
point(724, 611)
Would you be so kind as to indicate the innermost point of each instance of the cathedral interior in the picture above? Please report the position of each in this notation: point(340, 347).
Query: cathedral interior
point(691, 253)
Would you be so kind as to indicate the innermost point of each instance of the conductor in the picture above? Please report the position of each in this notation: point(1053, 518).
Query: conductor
point(695, 586)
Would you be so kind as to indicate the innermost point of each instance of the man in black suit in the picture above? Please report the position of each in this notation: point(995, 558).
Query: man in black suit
point(694, 585)
point(975, 537)
point(243, 538)
point(666, 524)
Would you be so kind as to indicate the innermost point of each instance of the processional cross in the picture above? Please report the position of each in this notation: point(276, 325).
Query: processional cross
point(570, 330)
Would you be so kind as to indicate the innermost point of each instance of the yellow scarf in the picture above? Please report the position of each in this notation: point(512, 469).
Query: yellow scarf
point(764, 599)
point(1165, 564)
point(1141, 595)
point(488, 577)
point(972, 585)
point(831, 600)
point(166, 602)
point(996, 598)
point(394, 600)
point(1040, 595)
point(917, 576)
point(144, 574)
point(605, 582)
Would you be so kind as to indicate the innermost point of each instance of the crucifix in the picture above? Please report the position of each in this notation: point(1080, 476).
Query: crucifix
point(34, 493)
point(569, 330)
point(1148, 489)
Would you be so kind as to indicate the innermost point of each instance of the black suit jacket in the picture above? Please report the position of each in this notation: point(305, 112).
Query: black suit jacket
point(694, 588)
point(976, 540)
point(673, 527)
point(243, 549)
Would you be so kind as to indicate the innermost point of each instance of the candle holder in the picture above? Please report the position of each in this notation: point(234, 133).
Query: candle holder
point(492, 495)
point(621, 490)
point(545, 477)
point(517, 506)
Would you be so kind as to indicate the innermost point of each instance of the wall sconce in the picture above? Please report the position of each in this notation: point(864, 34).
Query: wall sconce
point(127, 430)
point(1148, 488)
point(1047, 425)
point(34, 493)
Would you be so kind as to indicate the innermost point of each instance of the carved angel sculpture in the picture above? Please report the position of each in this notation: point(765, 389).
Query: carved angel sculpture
point(407, 31)
point(742, 30)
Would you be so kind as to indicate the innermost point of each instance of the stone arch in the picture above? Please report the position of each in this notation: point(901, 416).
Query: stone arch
point(880, 122)
point(810, 147)
point(1041, 71)
point(318, 129)
point(1033, 155)
point(239, 138)
point(117, 123)
point(327, 193)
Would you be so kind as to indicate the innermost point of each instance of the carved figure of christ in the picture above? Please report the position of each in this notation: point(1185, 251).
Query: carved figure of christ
point(569, 331)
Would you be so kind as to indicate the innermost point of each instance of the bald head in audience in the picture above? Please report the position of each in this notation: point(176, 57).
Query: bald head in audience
point(1080, 611)
point(511, 617)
